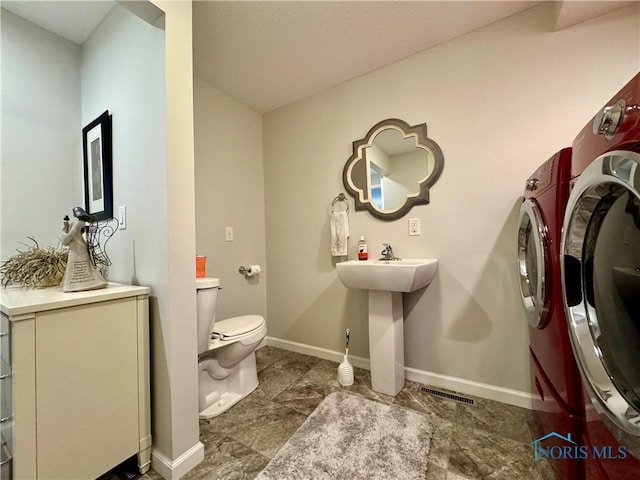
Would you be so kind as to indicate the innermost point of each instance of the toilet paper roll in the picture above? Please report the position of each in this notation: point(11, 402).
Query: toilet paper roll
point(254, 270)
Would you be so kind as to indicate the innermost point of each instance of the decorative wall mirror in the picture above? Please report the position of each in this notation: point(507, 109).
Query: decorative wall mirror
point(392, 168)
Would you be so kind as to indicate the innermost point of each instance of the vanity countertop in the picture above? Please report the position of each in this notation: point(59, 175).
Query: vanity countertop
point(19, 300)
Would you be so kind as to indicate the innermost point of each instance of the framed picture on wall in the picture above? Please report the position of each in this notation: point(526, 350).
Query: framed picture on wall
point(98, 173)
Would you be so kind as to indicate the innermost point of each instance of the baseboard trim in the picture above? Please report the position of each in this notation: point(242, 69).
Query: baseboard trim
point(175, 469)
point(323, 353)
point(460, 385)
point(470, 387)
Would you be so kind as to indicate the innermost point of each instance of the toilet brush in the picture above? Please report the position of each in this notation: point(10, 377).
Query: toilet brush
point(345, 370)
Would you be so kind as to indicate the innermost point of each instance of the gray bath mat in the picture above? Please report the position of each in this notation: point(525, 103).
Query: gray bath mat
point(350, 437)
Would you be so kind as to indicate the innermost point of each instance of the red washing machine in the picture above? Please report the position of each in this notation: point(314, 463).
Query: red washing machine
point(558, 406)
point(600, 259)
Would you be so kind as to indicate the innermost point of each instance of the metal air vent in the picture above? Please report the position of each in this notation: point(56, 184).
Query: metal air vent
point(448, 396)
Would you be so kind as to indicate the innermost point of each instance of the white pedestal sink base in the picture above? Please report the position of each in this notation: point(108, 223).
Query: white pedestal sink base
point(386, 280)
point(386, 341)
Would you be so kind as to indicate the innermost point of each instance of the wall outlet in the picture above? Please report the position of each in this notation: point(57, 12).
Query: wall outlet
point(122, 217)
point(228, 234)
point(414, 226)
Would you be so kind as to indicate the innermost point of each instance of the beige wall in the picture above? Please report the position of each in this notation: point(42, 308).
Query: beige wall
point(40, 147)
point(499, 101)
point(230, 193)
point(174, 355)
point(127, 44)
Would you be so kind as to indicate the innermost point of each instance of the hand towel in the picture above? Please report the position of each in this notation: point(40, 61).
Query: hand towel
point(339, 233)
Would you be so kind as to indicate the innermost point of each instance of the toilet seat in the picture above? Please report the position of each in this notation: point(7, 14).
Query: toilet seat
point(234, 327)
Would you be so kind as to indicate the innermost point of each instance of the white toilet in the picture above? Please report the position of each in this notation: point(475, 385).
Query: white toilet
point(226, 353)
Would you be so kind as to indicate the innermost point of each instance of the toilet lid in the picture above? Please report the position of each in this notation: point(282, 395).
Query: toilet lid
point(204, 283)
point(235, 326)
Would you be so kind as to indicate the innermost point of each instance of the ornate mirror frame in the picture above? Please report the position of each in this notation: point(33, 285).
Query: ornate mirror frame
point(363, 200)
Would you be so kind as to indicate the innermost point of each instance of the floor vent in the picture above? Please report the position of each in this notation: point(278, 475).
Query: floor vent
point(447, 395)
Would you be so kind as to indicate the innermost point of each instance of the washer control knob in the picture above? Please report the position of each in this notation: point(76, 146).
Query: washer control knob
point(531, 184)
point(609, 119)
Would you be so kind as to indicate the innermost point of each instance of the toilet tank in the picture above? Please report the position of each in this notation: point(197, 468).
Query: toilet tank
point(207, 294)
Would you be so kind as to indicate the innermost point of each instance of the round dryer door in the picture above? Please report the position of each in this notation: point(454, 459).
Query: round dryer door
point(601, 283)
point(532, 263)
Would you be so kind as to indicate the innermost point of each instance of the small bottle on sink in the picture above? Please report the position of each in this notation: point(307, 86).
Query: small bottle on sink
point(363, 251)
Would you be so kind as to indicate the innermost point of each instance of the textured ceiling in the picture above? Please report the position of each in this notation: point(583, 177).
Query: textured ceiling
point(73, 20)
point(570, 13)
point(267, 54)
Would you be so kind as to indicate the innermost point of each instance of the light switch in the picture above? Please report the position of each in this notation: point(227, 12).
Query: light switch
point(228, 234)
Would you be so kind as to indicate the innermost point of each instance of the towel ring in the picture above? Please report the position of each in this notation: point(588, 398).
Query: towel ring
point(340, 198)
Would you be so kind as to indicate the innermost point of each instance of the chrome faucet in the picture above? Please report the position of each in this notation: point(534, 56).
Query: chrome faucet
point(388, 253)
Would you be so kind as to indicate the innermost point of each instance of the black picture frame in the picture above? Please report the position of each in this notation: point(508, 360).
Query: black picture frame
point(98, 167)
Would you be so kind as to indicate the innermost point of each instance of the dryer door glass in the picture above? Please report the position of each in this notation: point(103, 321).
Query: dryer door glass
point(532, 266)
point(601, 235)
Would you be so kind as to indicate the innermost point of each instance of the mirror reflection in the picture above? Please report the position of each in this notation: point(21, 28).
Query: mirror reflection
point(392, 168)
point(394, 164)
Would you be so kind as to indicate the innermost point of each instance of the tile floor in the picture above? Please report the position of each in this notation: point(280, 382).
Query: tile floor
point(486, 441)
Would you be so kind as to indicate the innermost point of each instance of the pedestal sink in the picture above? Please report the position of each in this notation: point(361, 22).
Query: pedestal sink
point(386, 280)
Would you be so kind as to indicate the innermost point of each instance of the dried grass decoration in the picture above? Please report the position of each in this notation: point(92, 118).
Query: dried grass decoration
point(34, 267)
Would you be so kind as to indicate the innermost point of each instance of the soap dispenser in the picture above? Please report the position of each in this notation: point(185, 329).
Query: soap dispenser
point(363, 252)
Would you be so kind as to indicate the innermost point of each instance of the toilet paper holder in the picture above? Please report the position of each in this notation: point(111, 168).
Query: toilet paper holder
point(249, 271)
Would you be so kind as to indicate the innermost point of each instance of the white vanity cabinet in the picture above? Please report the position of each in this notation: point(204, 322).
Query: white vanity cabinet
point(80, 380)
